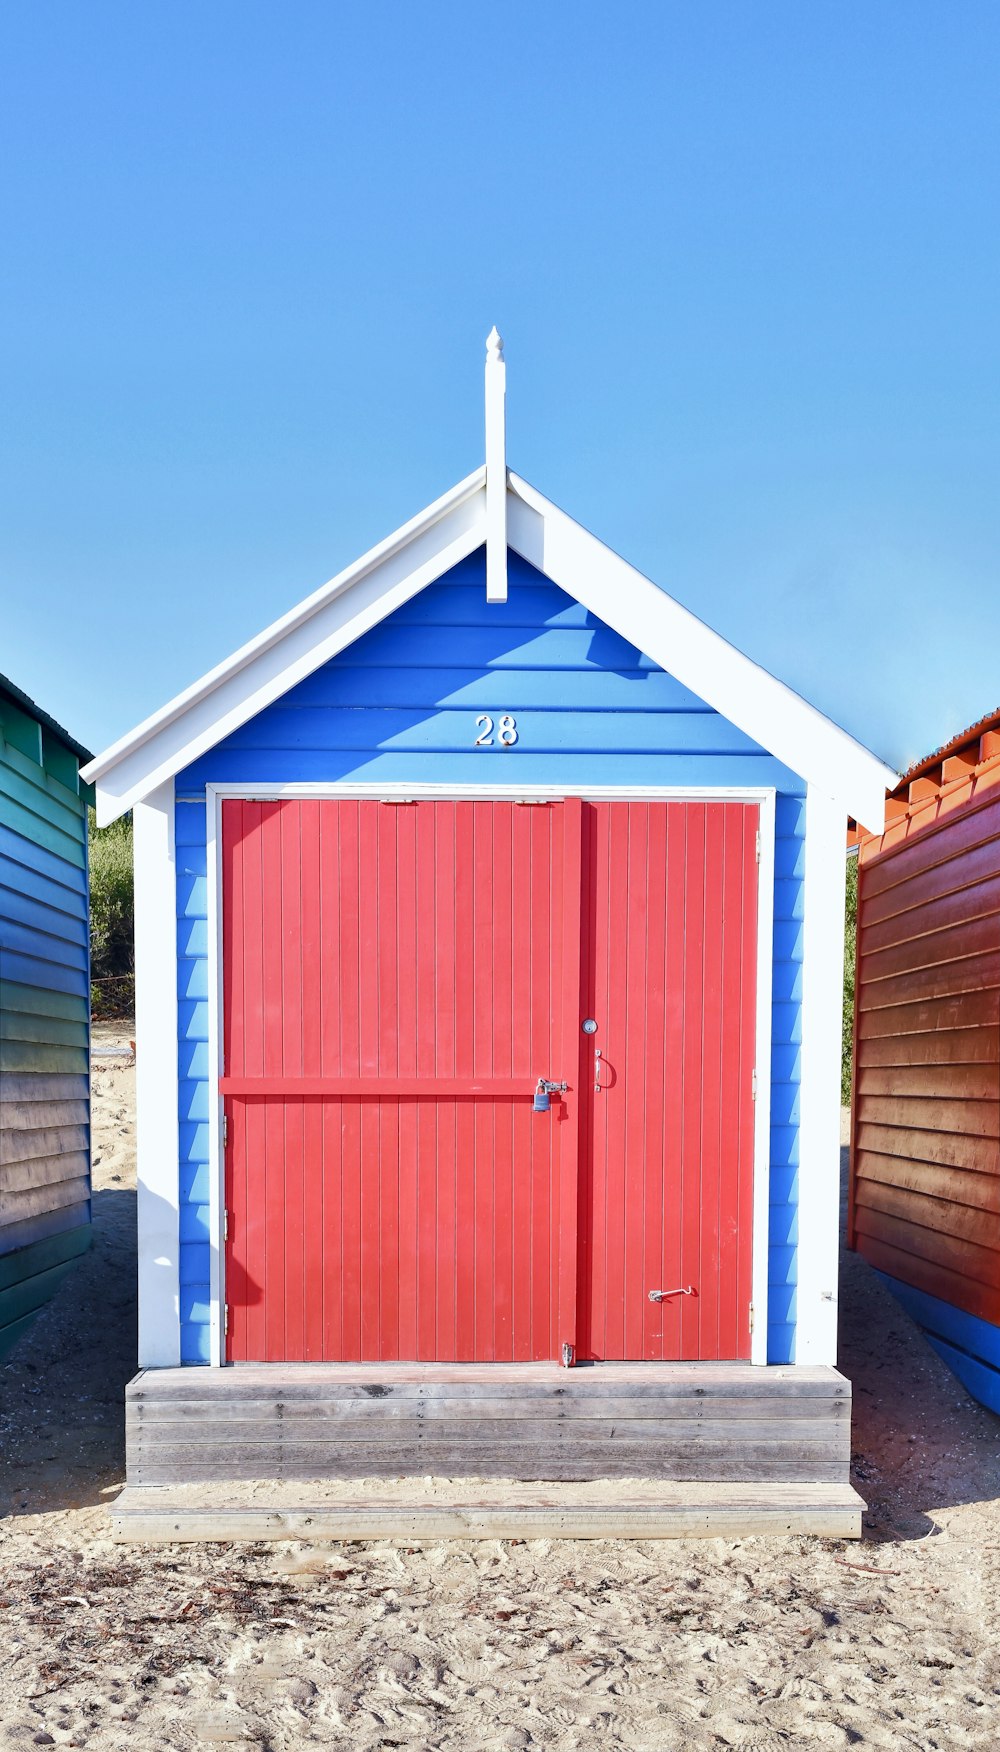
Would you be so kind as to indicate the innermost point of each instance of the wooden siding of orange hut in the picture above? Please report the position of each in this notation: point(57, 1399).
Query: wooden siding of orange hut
point(925, 1150)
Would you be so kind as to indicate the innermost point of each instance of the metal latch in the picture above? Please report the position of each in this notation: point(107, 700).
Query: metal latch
point(661, 1295)
point(546, 1087)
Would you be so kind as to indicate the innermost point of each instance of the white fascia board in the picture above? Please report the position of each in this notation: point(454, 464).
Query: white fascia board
point(157, 1127)
point(290, 649)
point(421, 552)
point(819, 1089)
point(752, 699)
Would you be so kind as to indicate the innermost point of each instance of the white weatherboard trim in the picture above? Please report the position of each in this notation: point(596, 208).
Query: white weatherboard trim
point(819, 1091)
point(217, 794)
point(781, 721)
point(418, 555)
point(157, 1202)
point(496, 470)
point(762, 1108)
point(399, 791)
point(291, 648)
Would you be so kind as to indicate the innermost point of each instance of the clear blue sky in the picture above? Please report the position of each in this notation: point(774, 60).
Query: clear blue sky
point(744, 256)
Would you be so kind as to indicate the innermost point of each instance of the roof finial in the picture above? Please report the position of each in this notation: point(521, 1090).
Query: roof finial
point(496, 470)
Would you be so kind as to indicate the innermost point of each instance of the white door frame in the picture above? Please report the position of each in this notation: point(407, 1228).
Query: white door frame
point(764, 797)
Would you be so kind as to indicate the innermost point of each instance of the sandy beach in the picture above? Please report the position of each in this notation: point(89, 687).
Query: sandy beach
point(654, 1646)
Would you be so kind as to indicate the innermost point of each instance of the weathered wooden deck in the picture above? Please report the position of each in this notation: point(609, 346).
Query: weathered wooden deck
point(705, 1424)
point(700, 1449)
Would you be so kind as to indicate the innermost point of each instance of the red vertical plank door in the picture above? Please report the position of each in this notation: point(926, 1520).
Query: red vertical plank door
point(670, 978)
point(396, 978)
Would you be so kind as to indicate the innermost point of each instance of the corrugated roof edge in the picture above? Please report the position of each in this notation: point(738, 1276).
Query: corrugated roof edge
point(18, 697)
point(925, 765)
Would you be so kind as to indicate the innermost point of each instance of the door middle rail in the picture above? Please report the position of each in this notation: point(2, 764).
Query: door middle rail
point(427, 1088)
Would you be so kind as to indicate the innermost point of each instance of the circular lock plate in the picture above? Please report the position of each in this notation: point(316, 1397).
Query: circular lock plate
point(589, 1026)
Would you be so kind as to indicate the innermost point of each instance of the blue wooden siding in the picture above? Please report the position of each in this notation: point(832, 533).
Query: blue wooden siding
point(786, 1036)
point(400, 705)
point(44, 1019)
point(970, 1346)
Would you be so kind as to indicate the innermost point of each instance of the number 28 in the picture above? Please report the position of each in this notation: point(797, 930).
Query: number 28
point(506, 734)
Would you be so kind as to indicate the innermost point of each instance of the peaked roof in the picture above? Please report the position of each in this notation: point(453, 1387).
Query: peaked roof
point(417, 555)
point(496, 508)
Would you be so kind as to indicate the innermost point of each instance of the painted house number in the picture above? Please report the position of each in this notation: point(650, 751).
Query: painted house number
point(506, 732)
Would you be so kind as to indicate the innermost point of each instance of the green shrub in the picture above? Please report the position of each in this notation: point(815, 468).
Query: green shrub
point(112, 954)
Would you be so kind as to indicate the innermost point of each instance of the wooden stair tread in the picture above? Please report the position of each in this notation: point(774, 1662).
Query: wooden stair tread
point(434, 1509)
point(501, 1380)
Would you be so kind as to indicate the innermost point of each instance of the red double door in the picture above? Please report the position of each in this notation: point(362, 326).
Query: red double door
point(397, 979)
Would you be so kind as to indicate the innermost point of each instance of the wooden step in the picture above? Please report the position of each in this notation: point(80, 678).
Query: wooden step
point(719, 1423)
point(387, 1380)
point(505, 1509)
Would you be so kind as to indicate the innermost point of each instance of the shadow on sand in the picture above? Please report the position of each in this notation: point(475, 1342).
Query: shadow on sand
point(62, 1423)
point(921, 1444)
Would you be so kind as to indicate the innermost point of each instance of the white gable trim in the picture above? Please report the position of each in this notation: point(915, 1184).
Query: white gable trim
point(358, 598)
point(290, 649)
point(752, 699)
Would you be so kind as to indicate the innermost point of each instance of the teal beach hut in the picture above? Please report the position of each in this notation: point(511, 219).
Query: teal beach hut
point(44, 1009)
